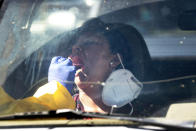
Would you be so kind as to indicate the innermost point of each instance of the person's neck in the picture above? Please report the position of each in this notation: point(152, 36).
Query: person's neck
point(91, 99)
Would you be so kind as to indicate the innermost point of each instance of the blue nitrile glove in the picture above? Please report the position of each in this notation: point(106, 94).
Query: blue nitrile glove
point(62, 70)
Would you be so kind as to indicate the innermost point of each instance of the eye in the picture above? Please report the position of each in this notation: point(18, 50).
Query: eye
point(76, 50)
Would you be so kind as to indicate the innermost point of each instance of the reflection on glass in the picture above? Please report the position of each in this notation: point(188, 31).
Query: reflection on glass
point(38, 28)
point(62, 19)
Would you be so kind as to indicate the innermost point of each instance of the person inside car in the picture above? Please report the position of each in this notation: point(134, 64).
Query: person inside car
point(94, 57)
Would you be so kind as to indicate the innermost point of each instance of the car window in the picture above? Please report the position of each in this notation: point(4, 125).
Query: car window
point(132, 56)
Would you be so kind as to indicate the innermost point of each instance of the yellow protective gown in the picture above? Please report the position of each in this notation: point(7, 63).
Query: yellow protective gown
point(51, 96)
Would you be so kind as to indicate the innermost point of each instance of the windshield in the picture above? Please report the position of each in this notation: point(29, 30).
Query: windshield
point(129, 57)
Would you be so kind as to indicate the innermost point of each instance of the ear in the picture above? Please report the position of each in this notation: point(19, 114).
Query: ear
point(115, 62)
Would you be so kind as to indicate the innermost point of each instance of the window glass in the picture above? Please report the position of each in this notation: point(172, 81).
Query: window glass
point(101, 37)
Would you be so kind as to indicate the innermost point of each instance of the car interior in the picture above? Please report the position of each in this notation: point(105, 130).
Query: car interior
point(170, 73)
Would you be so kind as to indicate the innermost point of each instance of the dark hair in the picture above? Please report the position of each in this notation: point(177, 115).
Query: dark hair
point(125, 40)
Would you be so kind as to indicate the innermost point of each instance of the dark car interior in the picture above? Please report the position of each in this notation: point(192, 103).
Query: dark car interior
point(152, 23)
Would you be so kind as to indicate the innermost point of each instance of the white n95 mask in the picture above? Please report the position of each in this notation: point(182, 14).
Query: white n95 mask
point(121, 88)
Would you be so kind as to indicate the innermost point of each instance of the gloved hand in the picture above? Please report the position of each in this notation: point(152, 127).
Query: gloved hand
point(62, 70)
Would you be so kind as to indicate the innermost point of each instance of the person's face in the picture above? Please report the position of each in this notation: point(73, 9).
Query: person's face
point(92, 54)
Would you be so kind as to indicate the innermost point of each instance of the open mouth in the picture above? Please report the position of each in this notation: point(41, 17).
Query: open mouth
point(77, 61)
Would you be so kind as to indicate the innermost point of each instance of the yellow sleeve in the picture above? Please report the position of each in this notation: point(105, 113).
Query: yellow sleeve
point(51, 96)
point(55, 96)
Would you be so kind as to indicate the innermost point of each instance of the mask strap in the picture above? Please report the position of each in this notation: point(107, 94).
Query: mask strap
point(114, 106)
point(131, 108)
point(112, 109)
point(118, 55)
